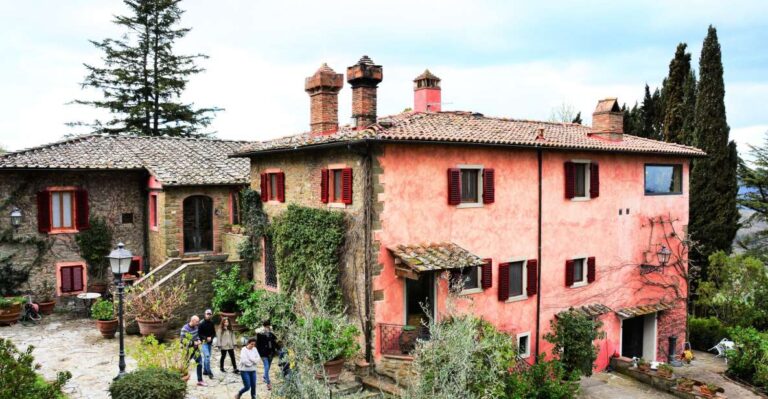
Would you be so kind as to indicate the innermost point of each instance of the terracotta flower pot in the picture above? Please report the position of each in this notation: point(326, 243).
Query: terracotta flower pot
point(46, 308)
point(158, 328)
point(332, 370)
point(664, 374)
point(107, 328)
point(185, 377)
point(706, 392)
point(9, 316)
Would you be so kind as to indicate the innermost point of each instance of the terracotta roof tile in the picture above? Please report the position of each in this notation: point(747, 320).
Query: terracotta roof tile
point(173, 161)
point(435, 256)
point(635, 311)
point(476, 129)
point(593, 310)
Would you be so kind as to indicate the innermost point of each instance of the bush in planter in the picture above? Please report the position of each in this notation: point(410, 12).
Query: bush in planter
point(331, 337)
point(229, 290)
point(262, 304)
point(103, 310)
point(154, 307)
point(153, 382)
point(18, 379)
point(11, 302)
point(174, 356)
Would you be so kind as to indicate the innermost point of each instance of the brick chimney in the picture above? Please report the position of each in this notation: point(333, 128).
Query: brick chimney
point(426, 93)
point(323, 89)
point(608, 120)
point(364, 77)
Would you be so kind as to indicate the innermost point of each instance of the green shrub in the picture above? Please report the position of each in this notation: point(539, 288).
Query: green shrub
point(18, 379)
point(229, 288)
point(154, 383)
point(95, 244)
point(261, 305)
point(7, 302)
point(704, 333)
point(103, 310)
point(573, 335)
point(332, 337)
point(749, 361)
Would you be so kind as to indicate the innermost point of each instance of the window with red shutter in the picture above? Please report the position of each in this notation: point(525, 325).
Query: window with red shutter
point(324, 186)
point(532, 284)
point(264, 190)
point(503, 281)
point(489, 186)
point(71, 277)
point(82, 210)
point(570, 180)
point(594, 180)
point(591, 269)
point(487, 273)
point(77, 278)
point(44, 211)
point(280, 183)
point(568, 273)
point(454, 186)
point(65, 279)
point(346, 186)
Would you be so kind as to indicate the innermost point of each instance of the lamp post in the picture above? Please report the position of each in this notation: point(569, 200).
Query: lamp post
point(663, 255)
point(16, 218)
point(120, 262)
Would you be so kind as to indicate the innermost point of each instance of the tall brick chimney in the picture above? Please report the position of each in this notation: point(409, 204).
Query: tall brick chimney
point(364, 77)
point(426, 93)
point(608, 120)
point(323, 89)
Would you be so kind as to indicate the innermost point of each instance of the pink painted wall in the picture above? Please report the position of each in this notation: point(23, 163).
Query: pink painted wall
point(416, 211)
point(427, 100)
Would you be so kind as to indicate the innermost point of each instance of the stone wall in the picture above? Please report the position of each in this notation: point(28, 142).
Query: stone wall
point(110, 195)
point(230, 244)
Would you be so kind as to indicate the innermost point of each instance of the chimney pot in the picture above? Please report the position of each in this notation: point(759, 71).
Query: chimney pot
point(426, 93)
point(323, 89)
point(364, 77)
point(608, 120)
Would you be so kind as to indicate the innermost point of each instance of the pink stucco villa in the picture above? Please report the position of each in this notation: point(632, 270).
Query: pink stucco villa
point(527, 218)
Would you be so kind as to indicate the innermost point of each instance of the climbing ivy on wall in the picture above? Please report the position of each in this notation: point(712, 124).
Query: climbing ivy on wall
point(256, 226)
point(95, 244)
point(308, 245)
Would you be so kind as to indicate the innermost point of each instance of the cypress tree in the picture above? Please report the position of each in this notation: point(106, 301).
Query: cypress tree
point(689, 110)
point(714, 217)
point(647, 115)
point(674, 110)
point(658, 104)
point(142, 78)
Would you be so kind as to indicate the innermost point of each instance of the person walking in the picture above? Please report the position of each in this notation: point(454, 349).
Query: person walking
point(226, 343)
point(207, 331)
point(190, 331)
point(249, 358)
point(266, 343)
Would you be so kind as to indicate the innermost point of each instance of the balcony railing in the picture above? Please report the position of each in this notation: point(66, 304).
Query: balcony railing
point(400, 340)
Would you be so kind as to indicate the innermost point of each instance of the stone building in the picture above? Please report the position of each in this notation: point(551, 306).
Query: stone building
point(162, 197)
point(527, 218)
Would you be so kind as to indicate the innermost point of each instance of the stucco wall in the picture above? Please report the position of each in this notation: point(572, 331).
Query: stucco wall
point(110, 194)
point(413, 192)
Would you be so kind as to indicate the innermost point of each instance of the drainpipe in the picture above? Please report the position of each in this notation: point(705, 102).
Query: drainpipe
point(538, 256)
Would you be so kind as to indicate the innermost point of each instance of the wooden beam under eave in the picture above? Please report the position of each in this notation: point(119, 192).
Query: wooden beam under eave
point(406, 272)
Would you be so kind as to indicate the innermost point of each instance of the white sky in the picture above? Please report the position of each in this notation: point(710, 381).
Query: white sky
point(515, 59)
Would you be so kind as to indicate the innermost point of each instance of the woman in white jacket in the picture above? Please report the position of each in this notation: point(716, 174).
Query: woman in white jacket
point(249, 358)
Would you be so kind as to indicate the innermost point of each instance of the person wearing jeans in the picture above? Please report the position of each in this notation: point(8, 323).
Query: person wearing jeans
point(266, 343)
point(207, 332)
point(190, 332)
point(249, 358)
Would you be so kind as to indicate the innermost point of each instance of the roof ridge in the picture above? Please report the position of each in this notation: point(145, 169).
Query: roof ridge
point(54, 144)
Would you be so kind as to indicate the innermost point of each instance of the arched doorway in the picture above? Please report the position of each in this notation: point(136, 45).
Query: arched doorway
point(198, 224)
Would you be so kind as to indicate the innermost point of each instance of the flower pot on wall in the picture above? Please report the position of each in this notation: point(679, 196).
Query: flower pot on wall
point(333, 370)
point(46, 308)
point(107, 328)
point(158, 328)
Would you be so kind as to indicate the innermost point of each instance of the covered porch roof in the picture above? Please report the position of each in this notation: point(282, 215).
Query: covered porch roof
point(591, 310)
point(418, 258)
point(641, 310)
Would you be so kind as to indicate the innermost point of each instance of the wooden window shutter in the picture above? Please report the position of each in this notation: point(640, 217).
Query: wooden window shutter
point(591, 269)
point(568, 273)
point(82, 210)
point(280, 186)
point(489, 185)
point(264, 193)
point(44, 211)
point(486, 272)
point(454, 186)
point(532, 268)
point(594, 180)
point(324, 186)
point(77, 278)
point(65, 275)
point(346, 186)
point(503, 281)
point(570, 180)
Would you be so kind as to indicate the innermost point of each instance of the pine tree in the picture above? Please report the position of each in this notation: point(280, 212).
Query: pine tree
point(674, 111)
point(714, 217)
point(754, 177)
point(689, 110)
point(631, 119)
point(142, 78)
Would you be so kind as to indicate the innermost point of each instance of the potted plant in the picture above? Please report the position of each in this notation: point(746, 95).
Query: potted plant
point(333, 340)
point(104, 314)
point(46, 298)
point(709, 390)
point(237, 229)
point(407, 340)
point(643, 365)
point(153, 307)
point(176, 357)
point(10, 309)
point(685, 385)
point(664, 371)
point(229, 289)
point(95, 244)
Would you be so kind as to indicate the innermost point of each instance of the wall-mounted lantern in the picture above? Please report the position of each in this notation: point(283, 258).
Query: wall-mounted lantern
point(663, 255)
point(16, 218)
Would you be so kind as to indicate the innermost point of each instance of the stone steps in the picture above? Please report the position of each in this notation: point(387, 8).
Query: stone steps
point(378, 384)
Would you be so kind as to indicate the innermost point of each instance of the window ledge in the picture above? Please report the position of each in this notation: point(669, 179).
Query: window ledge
point(471, 291)
point(580, 199)
point(517, 298)
point(340, 205)
point(63, 231)
point(580, 284)
point(525, 355)
point(470, 205)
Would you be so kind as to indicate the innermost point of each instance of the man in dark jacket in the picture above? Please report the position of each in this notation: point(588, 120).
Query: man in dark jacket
point(207, 331)
point(266, 345)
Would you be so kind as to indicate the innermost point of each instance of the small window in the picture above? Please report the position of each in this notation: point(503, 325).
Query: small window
point(516, 279)
point(469, 186)
point(153, 211)
point(578, 271)
point(234, 207)
point(273, 186)
point(337, 185)
point(71, 278)
point(62, 210)
point(663, 179)
point(580, 187)
point(270, 269)
point(127, 218)
point(524, 345)
point(468, 278)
